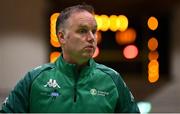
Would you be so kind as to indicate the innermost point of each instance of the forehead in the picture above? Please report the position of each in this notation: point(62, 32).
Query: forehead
point(82, 19)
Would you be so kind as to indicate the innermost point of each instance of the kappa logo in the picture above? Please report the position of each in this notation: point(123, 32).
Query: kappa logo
point(5, 101)
point(52, 83)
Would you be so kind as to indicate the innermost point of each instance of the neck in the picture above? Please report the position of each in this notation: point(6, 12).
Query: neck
point(79, 62)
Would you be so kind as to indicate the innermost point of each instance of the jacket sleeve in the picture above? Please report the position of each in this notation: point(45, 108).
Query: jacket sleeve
point(126, 102)
point(18, 99)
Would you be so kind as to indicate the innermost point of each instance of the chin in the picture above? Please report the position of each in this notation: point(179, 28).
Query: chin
point(87, 56)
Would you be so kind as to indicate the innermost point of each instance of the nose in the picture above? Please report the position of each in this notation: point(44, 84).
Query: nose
point(91, 37)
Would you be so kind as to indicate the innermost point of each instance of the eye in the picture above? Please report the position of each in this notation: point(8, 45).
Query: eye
point(82, 31)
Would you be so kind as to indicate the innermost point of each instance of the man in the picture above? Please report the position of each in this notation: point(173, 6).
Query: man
point(75, 82)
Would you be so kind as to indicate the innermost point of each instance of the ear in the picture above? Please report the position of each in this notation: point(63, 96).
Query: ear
point(60, 36)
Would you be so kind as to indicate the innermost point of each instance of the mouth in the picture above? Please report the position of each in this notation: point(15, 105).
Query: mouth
point(90, 47)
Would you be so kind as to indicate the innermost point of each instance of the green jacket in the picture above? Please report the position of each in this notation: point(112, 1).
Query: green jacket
point(60, 87)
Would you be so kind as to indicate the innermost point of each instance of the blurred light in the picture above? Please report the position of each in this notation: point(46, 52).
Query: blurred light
point(153, 78)
point(144, 107)
point(54, 40)
point(152, 23)
point(54, 16)
point(153, 71)
point(114, 23)
point(126, 37)
point(99, 22)
point(130, 52)
point(54, 56)
point(152, 44)
point(105, 22)
point(153, 55)
point(153, 65)
point(53, 19)
point(99, 37)
point(123, 22)
point(96, 53)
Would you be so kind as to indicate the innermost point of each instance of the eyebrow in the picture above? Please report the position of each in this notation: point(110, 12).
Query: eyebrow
point(85, 26)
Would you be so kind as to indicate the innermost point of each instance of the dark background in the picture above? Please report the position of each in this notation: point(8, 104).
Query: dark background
point(133, 71)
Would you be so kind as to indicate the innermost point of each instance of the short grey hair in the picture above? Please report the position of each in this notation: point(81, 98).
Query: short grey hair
point(65, 14)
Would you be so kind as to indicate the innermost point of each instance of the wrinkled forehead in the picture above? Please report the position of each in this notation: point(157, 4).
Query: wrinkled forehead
point(83, 18)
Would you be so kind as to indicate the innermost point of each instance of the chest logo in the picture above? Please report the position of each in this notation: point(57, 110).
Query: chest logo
point(52, 83)
point(98, 92)
point(93, 92)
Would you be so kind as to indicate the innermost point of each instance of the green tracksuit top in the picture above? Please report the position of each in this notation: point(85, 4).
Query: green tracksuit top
point(60, 87)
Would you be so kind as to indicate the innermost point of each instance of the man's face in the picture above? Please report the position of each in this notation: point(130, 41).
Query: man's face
point(80, 36)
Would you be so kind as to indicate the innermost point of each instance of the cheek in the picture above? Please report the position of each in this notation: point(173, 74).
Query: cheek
point(78, 39)
point(75, 42)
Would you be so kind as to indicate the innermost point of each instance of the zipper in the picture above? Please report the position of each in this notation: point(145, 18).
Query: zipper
point(75, 86)
point(75, 92)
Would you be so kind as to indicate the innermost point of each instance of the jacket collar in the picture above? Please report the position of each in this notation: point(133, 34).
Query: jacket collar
point(72, 69)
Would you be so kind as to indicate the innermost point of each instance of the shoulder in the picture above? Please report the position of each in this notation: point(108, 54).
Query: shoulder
point(20, 92)
point(35, 72)
point(109, 71)
point(116, 77)
point(31, 75)
point(106, 69)
point(45, 67)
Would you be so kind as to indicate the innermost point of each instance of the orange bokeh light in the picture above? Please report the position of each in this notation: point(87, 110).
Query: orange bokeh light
point(153, 65)
point(152, 44)
point(54, 40)
point(153, 71)
point(126, 37)
point(153, 78)
point(54, 56)
point(153, 55)
point(152, 23)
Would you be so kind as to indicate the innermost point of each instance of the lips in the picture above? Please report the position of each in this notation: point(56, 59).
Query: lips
point(89, 47)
